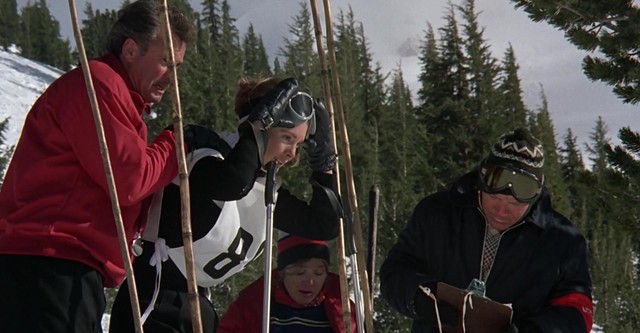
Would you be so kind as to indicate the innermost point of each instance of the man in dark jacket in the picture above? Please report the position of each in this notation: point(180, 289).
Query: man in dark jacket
point(494, 227)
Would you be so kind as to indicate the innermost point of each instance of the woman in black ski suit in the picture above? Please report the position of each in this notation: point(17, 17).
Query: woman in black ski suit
point(228, 212)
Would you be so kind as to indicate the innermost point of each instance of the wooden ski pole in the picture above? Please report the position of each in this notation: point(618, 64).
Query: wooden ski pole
point(104, 152)
point(326, 90)
point(183, 177)
point(374, 198)
point(353, 201)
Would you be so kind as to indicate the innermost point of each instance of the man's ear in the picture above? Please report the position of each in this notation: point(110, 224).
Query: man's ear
point(129, 49)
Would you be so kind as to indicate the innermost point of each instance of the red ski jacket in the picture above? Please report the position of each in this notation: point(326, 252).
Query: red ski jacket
point(245, 313)
point(55, 198)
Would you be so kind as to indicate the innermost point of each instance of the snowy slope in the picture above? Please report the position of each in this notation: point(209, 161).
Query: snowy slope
point(21, 82)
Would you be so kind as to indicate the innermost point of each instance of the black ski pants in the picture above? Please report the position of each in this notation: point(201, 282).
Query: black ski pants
point(41, 294)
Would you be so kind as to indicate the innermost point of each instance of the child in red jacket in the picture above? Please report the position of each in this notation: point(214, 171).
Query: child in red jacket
point(304, 293)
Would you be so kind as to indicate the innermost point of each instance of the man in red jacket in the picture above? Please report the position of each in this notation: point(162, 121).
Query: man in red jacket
point(58, 240)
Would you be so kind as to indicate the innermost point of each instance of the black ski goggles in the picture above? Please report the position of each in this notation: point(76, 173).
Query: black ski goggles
point(521, 184)
point(299, 110)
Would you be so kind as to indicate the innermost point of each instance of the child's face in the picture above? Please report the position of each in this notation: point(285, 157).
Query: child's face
point(303, 281)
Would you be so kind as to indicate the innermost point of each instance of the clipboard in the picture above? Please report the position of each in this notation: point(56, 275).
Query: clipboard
point(480, 315)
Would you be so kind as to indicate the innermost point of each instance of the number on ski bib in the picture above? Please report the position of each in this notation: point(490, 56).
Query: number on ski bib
point(236, 253)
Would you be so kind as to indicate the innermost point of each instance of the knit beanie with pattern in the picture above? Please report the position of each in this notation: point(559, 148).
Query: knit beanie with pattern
point(518, 149)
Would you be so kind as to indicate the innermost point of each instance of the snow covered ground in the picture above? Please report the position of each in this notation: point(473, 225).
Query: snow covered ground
point(21, 82)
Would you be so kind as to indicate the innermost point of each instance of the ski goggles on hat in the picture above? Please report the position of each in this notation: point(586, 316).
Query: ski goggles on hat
point(299, 110)
point(522, 185)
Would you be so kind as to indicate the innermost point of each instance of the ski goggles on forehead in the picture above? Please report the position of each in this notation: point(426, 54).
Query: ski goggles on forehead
point(522, 185)
point(299, 110)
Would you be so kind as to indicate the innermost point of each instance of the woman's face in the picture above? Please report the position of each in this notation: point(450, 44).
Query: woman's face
point(283, 143)
point(303, 281)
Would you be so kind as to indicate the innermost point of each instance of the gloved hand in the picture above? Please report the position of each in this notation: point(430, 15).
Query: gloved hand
point(198, 136)
point(425, 309)
point(319, 145)
point(271, 106)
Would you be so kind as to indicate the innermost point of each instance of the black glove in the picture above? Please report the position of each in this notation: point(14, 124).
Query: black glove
point(425, 310)
point(271, 106)
point(198, 136)
point(319, 145)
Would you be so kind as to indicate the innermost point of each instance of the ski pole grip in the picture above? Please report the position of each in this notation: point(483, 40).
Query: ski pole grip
point(270, 186)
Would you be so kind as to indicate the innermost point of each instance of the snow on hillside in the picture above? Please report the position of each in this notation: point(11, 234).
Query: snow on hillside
point(22, 81)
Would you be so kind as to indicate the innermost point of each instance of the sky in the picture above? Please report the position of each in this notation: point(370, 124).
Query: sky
point(549, 64)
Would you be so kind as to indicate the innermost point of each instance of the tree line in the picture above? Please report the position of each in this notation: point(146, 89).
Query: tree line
point(409, 144)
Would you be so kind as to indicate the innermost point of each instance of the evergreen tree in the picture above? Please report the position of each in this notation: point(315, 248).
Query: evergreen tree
point(607, 29)
point(553, 178)
point(453, 58)
point(256, 61)
point(300, 59)
point(230, 54)
point(362, 91)
point(616, 279)
point(95, 30)
point(41, 39)
point(206, 94)
point(574, 174)
point(219, 62)
point(597, 150)
point(9, 23)
point(613, 247)
point(448, 120)
point(625, 158)
point(399, 158)
point(212, 19)
point(513, 108)
point(431, 69)
point(484, 99)
point(277, 68)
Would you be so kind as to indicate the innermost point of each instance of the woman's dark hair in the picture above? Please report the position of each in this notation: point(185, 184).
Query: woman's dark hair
point(141, 21)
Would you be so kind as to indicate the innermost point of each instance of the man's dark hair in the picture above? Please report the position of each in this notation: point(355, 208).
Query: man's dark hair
point(142, 20)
